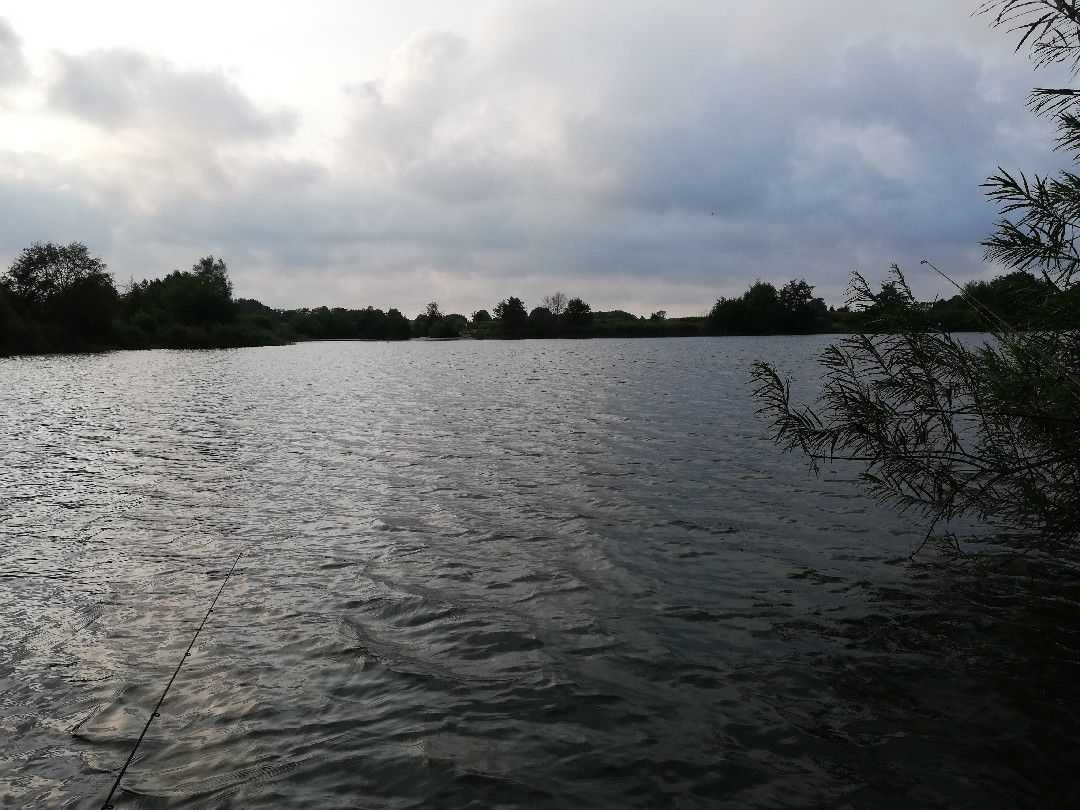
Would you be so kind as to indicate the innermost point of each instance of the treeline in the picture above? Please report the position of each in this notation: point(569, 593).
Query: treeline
point(61, 298)
point(58, 298)
point(558, 316)
point(1018, 299)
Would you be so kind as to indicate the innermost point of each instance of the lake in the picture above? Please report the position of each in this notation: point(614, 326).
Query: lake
point(516, 574)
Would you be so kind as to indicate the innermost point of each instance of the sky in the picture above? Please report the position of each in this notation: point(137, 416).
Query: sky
point(643, 155)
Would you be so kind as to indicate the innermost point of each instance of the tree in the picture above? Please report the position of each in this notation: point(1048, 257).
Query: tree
point(511, 314)
point(757, 312)
point(578, 315)
point(63, 284)
point(800, 309)
point(555, 303)
point(397, 326)
point(947, 430)
point(449, 326)
point(542, 322)
point(481, 316)
point(7, 315)
point(428, 320)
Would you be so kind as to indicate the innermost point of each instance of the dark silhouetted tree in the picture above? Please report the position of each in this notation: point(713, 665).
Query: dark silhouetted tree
point(555, 303)
point(542, 322)
point(64, 285)
point(800, 310)
point(428, 320)
point(578, 316)
point(511, 315)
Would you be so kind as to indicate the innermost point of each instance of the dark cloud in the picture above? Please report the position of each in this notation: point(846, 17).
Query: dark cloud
point(118, 88)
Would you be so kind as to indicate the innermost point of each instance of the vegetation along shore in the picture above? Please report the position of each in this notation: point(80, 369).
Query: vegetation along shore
point(61, 298)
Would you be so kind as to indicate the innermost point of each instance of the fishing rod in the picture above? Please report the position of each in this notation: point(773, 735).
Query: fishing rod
point(107, 804)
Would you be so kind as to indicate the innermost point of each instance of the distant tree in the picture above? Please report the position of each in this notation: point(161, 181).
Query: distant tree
point(427, 321)
point(763, 307)
point(7, 316)
point(63, 284)
point(578, 314)
point(800, 309)
point(449, 326)
point(481, 316)
point(764, 310)
point(249, 306)
point(659, 315)
point(201, 296)
point(215, 289)
point(1019, 296)
point(756, 312)
point(555, 303)
point(511, 314)
point(397, 326)
point(577, 318)
point(542, 322)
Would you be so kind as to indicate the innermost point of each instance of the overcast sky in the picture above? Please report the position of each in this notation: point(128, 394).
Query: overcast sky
point(644, 155)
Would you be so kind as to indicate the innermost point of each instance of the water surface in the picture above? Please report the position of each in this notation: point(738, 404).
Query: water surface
point(491, 574)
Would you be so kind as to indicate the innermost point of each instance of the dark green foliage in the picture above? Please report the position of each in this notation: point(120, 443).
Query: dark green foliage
point(1019, 297)
point(617, 323)
point(511, 316)
point(449, 327)
point(197, 297)
point(60, 298)
point(427, 320)
point(578, 316)
point(346, 324)
point(542, 322)
point(433, 324)
point(64, 288)
point(481, 316)
point(579, 321)
point(762, 310)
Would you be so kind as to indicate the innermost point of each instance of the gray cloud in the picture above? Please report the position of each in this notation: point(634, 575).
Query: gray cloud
point(119, 88)
point(640, 158)
point(13, 67)
point(632, 145)
point(42, 199)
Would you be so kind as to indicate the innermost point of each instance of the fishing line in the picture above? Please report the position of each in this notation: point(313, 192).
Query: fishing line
point(107, 804)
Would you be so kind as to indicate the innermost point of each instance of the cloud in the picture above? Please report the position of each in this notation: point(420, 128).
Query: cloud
point(635, 143)
point(119, 88)
point(640, 156)
point(13, 67)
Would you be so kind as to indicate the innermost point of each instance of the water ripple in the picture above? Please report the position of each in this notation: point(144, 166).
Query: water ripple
point(491, 574)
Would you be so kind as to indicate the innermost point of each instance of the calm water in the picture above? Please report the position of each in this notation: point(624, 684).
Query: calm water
point(491, 574)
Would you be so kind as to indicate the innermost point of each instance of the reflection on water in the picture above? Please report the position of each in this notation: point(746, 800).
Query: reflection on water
point(514, 574)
